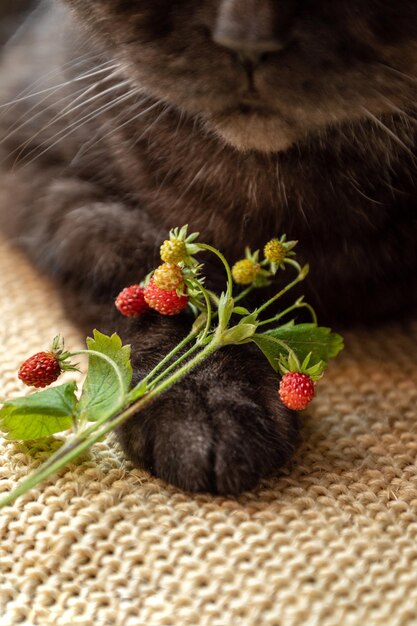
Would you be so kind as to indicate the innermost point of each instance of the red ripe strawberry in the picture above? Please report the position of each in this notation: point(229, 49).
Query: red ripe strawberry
point(40, 370)
point(296, 390)
point(165, 302)
point(131, 302)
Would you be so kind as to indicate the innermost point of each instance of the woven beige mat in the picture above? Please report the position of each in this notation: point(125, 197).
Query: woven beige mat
point(332, 541)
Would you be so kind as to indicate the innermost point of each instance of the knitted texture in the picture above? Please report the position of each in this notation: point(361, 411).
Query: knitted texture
point(331, 541)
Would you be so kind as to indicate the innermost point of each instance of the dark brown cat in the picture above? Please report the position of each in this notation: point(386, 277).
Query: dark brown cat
point(244, 119)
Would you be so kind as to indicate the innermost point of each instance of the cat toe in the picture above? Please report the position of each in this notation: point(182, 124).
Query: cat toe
point(223, 449)
point(252, 443)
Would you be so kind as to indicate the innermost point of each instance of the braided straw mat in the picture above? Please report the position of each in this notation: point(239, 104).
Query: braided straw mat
point(331, 541)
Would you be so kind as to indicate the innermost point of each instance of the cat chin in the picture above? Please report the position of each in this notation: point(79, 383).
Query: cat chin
point(259, 133)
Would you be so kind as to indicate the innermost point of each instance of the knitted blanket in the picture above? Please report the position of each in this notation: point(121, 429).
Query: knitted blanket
point(330, 541)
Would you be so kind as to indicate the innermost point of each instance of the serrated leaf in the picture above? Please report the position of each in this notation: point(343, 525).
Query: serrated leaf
point(302, 339)
point(305, 338)
point(107, 383)
point(40, 414)
point(272, 348)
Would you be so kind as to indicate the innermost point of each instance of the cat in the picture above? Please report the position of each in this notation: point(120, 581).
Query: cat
point(245, 119)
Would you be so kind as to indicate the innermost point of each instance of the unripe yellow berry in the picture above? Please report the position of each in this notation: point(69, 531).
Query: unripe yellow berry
point(168, 277)
point(245, 271)
point(275, 251)
point(173, 251)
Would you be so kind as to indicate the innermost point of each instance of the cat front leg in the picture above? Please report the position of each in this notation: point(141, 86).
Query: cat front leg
point(73, 231)
point(220, 429)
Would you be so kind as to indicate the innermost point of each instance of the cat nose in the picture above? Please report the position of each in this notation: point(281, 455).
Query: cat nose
point(253, 28)
point(247, 52)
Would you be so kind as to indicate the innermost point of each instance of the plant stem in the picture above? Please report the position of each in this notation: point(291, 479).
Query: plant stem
point(295, 306)
point(175, 364)
point(192, 335)
point(297, 280)
point(166, 359)
point(83, 440)
point(205, 246)
point(209, 313)
point(244, 293)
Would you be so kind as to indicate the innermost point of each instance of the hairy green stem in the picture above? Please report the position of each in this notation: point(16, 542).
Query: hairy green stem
point(301, 276)
point(205, 246)
point(193, 348)
point(166, 359)
point(297, 305)
point(175, 364)
point(209, 313)
point(84, 439)
point(244, 293)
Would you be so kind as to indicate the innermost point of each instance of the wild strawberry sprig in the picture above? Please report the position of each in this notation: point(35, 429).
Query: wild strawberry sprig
point(44, 368)
point(298, 352)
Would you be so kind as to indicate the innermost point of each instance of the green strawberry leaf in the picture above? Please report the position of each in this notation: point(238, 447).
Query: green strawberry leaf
point(272, 348)
point(108, 379)
point(302, 339)
point(40, 414)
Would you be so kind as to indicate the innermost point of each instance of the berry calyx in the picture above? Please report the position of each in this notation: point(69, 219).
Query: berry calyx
point(40, 370)
point(245, 271)
point(296, 390)
point(173, 251)
point(131, 302)
point(163, 301)
point(43, 368)
point(168, 277)
point(275, 251)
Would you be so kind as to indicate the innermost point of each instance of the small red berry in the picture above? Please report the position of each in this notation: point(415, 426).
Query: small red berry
point(40, 370)
point(296, 390)
point(165, 302)
point(131, 302)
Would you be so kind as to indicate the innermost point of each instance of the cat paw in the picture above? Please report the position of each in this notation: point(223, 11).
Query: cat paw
point(221, 429)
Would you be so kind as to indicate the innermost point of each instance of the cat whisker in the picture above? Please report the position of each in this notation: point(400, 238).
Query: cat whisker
point(79, 94)
point(97, 138)
point(166, 110)
point(37, 105)
point(398, 72)
point(388, 131)
point(60, 86)
point(73, 128)
point(59, 116)
point(133, 119)
point(404, 115)
point(281, 184)
point(84, 103)
point(66, 66)
point(66, 132)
